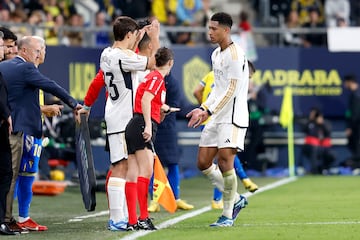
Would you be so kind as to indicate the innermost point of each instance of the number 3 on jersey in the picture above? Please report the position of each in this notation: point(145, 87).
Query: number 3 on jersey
point(112, 88)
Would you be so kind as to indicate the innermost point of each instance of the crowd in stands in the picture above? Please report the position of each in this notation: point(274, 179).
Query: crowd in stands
point(314, 15)
point(55, 14)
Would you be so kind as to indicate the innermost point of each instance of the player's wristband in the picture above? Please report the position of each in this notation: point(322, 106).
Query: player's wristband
point(87, 108)
point(209, 112)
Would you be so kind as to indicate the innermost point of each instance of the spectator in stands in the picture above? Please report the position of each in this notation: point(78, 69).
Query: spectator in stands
point(67, 8)
point(160, 9)
point(353, 116)
point(176, 37)
point(51, 7)
point(303, 8)
point(291, 38)
point(4, 14)
point(244, 24)
point(17, 4)
point(18, 16)
point(202, 18)
point(135, 9)
point(103, 38)
point(50, 34)
point(107, 6)
point(341, 22)
point(184, 37)
point(336, 10)
point(314, 39)
point(171, 20)
point(36, 18)
point(33, 5)
point(317, 143)
point(186, 10)
point(245, 37)
point(355, 12)
point(277, 8)
point(74, 38)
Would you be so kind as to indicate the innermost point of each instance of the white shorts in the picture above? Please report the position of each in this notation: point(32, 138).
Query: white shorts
point(223, 135)
point(117, 146)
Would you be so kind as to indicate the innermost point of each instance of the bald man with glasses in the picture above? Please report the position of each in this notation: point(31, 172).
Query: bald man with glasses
point(24, 81)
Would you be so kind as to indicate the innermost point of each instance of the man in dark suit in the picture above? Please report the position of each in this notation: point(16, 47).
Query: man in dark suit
point(353, 119)
point(24, 81)
point(5, 150)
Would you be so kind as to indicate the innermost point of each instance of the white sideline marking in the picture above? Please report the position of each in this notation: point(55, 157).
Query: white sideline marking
point(80, 218)
point(298, 224)
point(205, 209)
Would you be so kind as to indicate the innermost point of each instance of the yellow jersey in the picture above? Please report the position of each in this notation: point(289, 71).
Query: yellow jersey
point(208, 83)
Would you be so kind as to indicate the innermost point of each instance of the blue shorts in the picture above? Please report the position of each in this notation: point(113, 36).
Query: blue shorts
point(31, 154)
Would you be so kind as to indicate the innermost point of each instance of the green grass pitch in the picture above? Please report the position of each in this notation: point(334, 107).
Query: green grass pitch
point(320, 208)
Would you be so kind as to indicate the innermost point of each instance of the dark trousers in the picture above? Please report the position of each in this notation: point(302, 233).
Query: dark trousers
point(354, 143)
point(5, 168)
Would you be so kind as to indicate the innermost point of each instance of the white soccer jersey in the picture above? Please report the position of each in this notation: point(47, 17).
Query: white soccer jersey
point(228, 100)
point(120, 74)
point(140, 78)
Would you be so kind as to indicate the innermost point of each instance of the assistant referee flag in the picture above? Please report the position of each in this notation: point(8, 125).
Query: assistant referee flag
point(162, 192)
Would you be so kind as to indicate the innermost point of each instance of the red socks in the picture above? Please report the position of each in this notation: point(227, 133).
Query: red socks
point(131, 196)
point(142, 191)
point(137, 191)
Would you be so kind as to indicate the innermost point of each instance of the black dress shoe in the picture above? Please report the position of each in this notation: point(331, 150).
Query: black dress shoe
point(5, 230)
point(13, 226)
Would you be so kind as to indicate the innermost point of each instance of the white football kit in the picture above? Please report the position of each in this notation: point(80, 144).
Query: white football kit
point(228, 100)
point(120, 74)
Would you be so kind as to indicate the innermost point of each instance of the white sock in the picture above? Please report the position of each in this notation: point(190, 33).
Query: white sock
point(229, 193)
point(125, 209)
point(116, 197)
point(215, 176)
point(23, 219)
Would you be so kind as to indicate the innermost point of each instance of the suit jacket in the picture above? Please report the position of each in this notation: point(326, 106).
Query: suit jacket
point(166, 136)
point(4, 106)
point(24, 81)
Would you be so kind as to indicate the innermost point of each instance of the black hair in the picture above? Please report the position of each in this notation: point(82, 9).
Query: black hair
point(316, 110)
point(8, 34)
point(243, 16)
point(163, 55)
point(122, 26)
point(350, 78)
point(314, 9)
point(143, 22)
point(223, 19)
point(146, 39)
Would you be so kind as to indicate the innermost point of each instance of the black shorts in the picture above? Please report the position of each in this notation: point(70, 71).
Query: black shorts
point(134, 134)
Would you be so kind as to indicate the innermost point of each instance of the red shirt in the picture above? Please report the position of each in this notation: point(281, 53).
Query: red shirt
point(245, 26)
point(94, 89)
point(155, 84)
